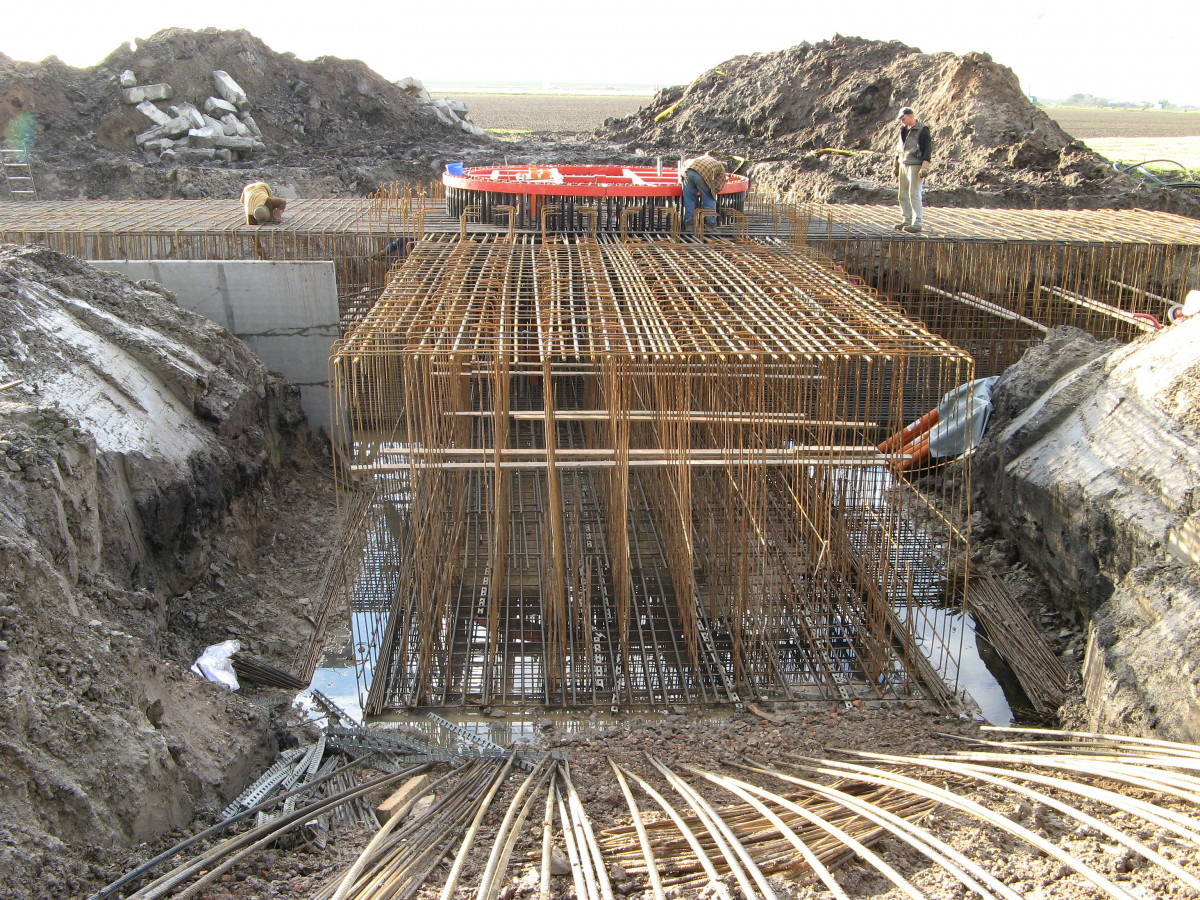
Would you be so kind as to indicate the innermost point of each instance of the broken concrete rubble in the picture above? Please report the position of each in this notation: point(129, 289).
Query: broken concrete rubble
point(153, 113)
point(451, 113)
point(141, 93)
point(229, 89)
point(215, 106)
point(127, 79)
point(172, 128)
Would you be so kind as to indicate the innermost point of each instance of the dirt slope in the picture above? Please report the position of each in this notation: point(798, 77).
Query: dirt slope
point(330, 125)
point(133, 454)
point(1092, 469)
point(993, 147)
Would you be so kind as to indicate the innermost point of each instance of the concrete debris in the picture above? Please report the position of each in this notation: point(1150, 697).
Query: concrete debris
point(229, 89)
point(414, 88)
point(153, 113)
point(173, 128)
point(189, 112)
point(238, 126)
point(451, 113)
point(215, 106)
point(224, 131)
point(135, 95)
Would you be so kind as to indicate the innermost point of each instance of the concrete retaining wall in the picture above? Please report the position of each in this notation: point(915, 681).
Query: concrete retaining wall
point(286, 312)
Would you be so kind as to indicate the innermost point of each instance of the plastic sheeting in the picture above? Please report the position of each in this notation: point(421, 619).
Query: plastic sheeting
point(216, 664)
point(962, 417)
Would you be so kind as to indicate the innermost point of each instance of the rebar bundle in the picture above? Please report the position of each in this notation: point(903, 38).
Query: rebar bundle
point(635, 471)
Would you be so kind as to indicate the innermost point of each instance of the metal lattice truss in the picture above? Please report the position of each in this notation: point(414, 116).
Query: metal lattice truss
point(637, 472)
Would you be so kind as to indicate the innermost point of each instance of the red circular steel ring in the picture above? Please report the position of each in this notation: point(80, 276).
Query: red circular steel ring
point(579, 181)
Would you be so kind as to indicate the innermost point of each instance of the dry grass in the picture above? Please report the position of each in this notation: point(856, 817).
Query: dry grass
point(562, 113)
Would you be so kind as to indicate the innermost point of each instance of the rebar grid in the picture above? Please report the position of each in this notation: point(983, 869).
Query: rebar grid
point(354, 233)
point(638, 472)
point(994, 281)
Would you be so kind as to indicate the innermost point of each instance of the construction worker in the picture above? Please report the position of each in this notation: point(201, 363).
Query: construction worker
point(704, 177)
point(913, 152)
point(261, 208)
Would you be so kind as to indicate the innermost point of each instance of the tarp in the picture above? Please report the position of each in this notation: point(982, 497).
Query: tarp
point(962, 417)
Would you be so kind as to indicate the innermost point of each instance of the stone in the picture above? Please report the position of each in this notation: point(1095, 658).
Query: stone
point(158, 145)
point(225, 155)
point(248, 121)
point(128, 79)
point(135, 95)
point(215, 106)
point(457, 106)
point(198, 154)
point(229, 89)
point(153, 113)
point(205, 137)
point(241, 144)
point(559, 864)
point(189, 112)
point(172, 128)
point(230, 121)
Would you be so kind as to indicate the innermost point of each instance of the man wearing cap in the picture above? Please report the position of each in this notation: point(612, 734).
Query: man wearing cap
point(913, 152)
point(261, 208)
point(703, 176)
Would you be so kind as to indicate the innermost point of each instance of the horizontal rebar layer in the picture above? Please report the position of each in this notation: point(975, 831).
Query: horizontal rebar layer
point(994, 281)
point(363, 237)
point(638, 471)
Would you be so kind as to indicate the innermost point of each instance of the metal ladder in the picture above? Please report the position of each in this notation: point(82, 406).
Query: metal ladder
point(18, 175)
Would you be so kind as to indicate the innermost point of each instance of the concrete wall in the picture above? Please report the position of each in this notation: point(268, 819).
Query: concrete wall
point(286, 312)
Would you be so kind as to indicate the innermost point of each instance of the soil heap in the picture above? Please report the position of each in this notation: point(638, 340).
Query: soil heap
point(139, 438)
point(331, 126)
point(820, 120)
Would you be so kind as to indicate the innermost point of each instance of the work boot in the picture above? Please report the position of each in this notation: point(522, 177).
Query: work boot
point(900, 226)
point(913, 229)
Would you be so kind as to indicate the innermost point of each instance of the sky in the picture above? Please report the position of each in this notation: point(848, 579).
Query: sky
point(1056, 49)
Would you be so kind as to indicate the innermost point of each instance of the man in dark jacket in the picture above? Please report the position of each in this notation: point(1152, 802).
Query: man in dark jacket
point(913, 152)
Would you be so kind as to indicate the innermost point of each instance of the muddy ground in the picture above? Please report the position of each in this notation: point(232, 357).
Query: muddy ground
point(124, 558)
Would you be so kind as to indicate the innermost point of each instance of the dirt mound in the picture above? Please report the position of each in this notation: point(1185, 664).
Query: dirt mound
point(821, 120)
point(139, 434)
point(344, 125)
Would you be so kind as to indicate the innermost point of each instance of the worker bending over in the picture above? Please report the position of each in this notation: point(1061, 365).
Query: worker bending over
point(704, 177)
point(261, 208)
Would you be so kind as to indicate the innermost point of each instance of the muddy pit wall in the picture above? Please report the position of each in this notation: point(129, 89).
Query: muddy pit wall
point(138, 432)
point(1092, 468)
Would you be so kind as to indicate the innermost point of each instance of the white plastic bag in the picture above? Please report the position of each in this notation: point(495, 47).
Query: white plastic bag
point(216, 664)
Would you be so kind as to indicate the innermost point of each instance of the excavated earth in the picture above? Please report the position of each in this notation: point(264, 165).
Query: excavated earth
point(819, 121)
point(161, 493)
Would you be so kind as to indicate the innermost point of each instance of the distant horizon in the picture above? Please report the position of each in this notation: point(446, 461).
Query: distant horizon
point(1055, 50)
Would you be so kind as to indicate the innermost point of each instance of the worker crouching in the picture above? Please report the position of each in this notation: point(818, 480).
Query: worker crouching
point(261, 208)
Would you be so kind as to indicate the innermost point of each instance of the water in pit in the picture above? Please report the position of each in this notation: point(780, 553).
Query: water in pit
point(981, 674)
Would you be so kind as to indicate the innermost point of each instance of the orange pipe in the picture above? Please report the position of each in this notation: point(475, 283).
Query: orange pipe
point(917, 452)
point(910, 433)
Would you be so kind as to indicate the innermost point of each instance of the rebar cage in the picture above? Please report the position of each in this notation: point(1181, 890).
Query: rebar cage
point(639, 472)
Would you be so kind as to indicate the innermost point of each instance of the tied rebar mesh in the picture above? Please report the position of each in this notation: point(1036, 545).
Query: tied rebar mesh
point(639, 471)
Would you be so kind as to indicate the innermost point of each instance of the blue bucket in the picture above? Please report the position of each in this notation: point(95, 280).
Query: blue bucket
point(454, 168)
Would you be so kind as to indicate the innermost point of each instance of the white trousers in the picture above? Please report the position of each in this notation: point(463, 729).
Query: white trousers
point(910, 194)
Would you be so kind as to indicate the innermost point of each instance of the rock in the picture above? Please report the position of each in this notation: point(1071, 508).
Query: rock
point(559, 864)
point(205, 137)
point(229, 89)
point(172, 128)
point(135, 95)
point(248, 121)
point(240, 144)
point(215, 106)
point(127, 79)
point(153, 113)
point(189, 112)
point(230, 121)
